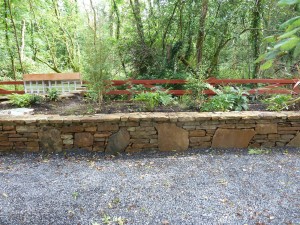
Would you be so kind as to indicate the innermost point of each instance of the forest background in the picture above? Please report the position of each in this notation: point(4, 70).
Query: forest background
point(149, 39)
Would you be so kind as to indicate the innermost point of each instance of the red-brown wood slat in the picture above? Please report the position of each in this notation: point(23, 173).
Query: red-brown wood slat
point(251, 81)
point(6, 92)
point(18, 82)
point(9, 92)
point(51, 76)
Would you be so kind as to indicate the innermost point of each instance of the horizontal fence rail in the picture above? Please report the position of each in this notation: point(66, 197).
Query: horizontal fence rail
point(271, 86)
point(14, 83)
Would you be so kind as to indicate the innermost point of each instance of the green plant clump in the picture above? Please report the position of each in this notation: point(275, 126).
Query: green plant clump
point(196, 86)
point(258, 151)
point(52, 94)
point(24, 100)
point(278, 102)
point(228, 99)
point(154, 99)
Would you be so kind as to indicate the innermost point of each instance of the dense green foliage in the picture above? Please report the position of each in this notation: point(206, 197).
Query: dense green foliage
point(24, 100)
point(278, 102)
point(227, 99)
point(286, 45)
point(52, 94)
point(143, 38)
point(154, 99)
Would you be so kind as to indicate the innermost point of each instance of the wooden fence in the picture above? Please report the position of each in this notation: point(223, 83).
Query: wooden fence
point(266, 86)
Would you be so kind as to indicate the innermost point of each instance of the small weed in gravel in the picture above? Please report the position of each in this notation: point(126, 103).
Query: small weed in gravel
point(258, 151)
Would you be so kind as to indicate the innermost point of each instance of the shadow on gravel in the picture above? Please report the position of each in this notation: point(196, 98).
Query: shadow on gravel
point(79, 153)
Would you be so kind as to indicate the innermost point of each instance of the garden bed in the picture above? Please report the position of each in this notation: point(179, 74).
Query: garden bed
point(79, 105)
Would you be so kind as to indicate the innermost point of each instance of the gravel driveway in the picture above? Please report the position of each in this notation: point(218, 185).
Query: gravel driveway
point(190, 188)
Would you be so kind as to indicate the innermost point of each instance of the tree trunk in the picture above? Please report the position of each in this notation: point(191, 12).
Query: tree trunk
point(9, 49)
point(168, 26)
point(15, 35)
point(23, 40)
point(256, 34)
point(138, 20)
point(213, 70)
point(201, 33)
point(116, 10)
point(94, 22)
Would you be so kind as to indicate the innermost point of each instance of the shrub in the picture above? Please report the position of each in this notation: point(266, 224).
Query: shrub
point(228, 99)
point(278, 102)
point(24, 100)
point(154, 99)
point(91, 96)
point(197, 86)
point(52, 94)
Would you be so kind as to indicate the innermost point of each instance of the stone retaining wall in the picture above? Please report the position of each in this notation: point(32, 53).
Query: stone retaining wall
point(147, 131)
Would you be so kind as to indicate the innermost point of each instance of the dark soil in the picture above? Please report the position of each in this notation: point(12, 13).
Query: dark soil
point(78, 105)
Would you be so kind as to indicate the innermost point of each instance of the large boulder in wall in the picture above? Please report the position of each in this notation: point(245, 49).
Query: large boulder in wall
point(171, 137)
point(232, 138)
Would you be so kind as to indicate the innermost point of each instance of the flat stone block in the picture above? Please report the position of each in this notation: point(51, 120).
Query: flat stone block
point(31, 135)
point(5, 143)
point(286, 136)
point(232, 138)
point(8, 128)
point(67, 136)
point(118, 142)
point(27, 129)
point(68, 142)
point(72, 129)
point(98, 149)
point(17, 139)
point(171, 137)
point(143, 146)
point(295, 142)
point(139, 141)
point(3, 138)
point(83, 139)
point(132, 124)
point(199, 139)
point(200, 145)
point(266, 128)
point(102, 135)
point(50, 139)
point(197, 133)
point(289, 128)
point(90, 129)
point(99, 139)
point(32, 144)
point(108, 127)
point(131, 128)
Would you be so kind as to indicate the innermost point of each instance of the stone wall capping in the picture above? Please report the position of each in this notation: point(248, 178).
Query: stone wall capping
point(293, 115)
point(161, 117)
point(124, 118)
point(30, 120)
point(227, 116)
point(55, 119)
point(109, 117)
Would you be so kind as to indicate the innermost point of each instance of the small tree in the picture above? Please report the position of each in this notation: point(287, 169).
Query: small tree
point(97, 67)
point(97, 53)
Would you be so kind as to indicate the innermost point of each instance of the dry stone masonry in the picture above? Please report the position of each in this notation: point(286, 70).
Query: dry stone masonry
point(134, 132)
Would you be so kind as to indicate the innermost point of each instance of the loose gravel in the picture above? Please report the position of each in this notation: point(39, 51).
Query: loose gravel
point(231, 187)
